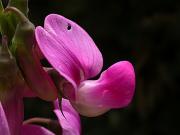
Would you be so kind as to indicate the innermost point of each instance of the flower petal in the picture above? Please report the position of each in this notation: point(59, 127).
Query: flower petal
point(72, 43)
point(78, 41)
point(70, 122)
point(58, 56)
point(114, 89)
point(29, 129)
point(4, 128)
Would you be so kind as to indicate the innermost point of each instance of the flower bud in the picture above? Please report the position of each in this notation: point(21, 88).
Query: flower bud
point(9, 75)
point(22, 47)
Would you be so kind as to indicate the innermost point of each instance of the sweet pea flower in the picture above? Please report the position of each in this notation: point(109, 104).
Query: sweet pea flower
point(72, 52)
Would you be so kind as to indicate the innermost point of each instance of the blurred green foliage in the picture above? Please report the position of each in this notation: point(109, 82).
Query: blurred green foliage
point(147, 33)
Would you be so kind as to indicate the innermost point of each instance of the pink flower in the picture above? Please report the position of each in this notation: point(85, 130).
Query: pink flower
point(72, 52)
point(11, 115)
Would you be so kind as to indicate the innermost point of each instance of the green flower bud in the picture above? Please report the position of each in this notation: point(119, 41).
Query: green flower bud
point(8, 21)
point(10, 76)
point(22, 47)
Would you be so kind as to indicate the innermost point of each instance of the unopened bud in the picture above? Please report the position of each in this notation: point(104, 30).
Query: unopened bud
point(22, 47)
point(8, 72)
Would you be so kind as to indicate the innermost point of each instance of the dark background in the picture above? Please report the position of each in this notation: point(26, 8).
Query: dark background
point(145, 32)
